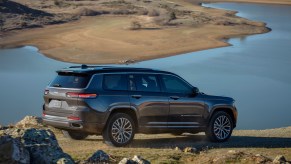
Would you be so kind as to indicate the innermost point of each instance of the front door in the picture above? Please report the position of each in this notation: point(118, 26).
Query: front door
point(186, 108)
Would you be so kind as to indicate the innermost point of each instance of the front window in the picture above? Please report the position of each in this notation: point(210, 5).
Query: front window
point(175, 85)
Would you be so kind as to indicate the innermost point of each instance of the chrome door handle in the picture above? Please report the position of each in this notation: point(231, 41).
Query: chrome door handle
point(136, 96)
point(174, 97)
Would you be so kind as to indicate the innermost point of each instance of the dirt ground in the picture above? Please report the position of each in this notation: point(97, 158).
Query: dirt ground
point(244, 146)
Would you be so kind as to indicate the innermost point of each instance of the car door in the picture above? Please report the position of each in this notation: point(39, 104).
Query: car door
point(146, 96)
point(186, 108)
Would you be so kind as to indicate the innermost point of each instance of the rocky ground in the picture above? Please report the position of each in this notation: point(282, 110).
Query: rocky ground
point(29, 141)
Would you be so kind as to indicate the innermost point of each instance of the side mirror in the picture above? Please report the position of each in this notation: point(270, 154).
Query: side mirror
point(195, 90)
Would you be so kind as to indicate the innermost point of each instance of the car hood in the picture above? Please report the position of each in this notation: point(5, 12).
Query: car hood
point(212, 97)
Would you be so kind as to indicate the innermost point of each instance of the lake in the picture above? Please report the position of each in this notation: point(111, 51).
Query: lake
point(255, 71)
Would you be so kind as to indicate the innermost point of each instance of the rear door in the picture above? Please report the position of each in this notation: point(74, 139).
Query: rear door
point(146, 96)
point(60, 97)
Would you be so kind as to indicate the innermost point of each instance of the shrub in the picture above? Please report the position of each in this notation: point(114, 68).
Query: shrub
point(153, 13)
point(58, 2)
point(135, 25)
point(173, 16)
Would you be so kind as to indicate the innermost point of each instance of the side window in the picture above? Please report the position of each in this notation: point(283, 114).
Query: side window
point(144, 82)
point(116, 82)
point(175, 85)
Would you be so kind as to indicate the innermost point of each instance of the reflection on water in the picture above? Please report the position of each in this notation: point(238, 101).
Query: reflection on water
point(254, 71)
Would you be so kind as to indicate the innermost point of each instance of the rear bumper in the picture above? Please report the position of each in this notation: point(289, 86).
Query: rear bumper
point(76, 125)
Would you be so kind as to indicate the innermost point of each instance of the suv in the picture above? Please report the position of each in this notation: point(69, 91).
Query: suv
point(119, 102)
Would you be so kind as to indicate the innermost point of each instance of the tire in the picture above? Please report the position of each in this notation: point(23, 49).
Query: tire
point(74, 135)
point(220, 127)
point(114, 137)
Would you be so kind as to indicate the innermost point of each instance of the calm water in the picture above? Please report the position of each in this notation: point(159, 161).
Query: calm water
point(255, 71)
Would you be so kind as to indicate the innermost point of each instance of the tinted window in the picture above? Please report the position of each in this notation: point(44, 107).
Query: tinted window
point(115, 82)
point(70, 80)
point(146, 82)
point(175, 85)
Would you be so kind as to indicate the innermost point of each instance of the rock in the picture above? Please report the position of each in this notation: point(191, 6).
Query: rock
point(139, 160)
point(99, 157)
point(44, 148)
point(261, 159)
point(127, 61)
point(135, 160)
point(29, 122)
point(280, 159)
point(190, 150)
point(127, 161)
point(177, 149)
point(13, 151)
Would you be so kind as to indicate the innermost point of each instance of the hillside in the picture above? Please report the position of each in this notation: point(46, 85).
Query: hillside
point(116, 31)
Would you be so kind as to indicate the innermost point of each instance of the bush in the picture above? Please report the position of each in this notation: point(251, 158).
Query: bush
point(58, 2)
point(173, 16)
point(153, 13)
point(88, 12)
point(135, 25)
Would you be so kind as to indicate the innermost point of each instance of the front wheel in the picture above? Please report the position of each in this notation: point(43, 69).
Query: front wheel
point(220, 127)
point(119, 130)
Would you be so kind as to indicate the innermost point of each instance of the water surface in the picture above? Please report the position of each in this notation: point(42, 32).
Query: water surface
point(255, 71)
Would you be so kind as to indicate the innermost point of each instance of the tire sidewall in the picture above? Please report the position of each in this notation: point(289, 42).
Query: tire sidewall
point(210, 130)
point(109, 129)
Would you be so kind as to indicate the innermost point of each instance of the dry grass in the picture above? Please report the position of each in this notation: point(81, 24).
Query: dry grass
point(160, 148)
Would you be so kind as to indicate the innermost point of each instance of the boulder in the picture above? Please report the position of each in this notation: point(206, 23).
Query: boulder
point(29, 122)
point(98, 157)
point(44, 148)
point(280, 159)
point(13, 151)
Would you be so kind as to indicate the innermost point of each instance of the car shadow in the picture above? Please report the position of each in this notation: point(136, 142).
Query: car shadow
point(201, 142)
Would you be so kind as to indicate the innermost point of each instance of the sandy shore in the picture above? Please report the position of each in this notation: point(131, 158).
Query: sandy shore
point(107, 39)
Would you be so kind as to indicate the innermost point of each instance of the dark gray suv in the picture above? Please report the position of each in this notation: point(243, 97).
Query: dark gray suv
point(119, 102)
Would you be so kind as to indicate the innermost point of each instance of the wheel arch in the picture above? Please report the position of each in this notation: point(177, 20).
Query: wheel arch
point(124, 109)
point(229, 110)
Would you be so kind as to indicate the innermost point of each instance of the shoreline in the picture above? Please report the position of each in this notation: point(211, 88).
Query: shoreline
point(69, 42)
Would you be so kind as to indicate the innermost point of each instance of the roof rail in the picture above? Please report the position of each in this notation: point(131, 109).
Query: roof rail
point(84, 66)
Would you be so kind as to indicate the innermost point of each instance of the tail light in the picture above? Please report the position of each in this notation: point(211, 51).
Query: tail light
point(73, 118)
point(46, 92)
point(81, 95)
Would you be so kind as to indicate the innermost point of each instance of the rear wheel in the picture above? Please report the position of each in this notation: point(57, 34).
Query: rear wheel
point(119, 130)
point(74, 135)
point(220, 127)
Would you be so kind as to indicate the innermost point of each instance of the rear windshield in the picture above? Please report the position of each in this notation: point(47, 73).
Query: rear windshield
point(70, 80)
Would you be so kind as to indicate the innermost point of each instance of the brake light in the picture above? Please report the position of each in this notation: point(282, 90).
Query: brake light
point(73, 118)
point(81, 95)
point(43, 114)
point(46, 92)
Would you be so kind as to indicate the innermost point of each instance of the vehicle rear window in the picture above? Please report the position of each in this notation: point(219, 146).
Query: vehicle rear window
point(116, 82)
point(71, 80)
